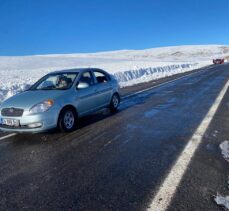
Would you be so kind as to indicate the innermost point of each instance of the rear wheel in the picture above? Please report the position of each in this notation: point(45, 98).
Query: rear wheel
point(67, 120)
point(115, 100)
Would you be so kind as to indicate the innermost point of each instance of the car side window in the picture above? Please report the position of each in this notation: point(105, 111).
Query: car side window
point(101, 77)
point(86, 80)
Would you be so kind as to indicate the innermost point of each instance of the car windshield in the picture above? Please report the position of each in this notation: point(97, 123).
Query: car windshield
point(55, 81)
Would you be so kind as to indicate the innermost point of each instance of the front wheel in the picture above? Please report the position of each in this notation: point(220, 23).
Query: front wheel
point(115, 100)
point(67, 120)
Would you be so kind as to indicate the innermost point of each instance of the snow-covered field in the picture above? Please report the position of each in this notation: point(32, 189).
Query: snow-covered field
point(128, 66)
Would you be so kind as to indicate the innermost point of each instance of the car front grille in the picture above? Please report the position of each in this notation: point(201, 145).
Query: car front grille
point(13, 112)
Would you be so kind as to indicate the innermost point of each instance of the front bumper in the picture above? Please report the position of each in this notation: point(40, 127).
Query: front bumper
point(33, 123)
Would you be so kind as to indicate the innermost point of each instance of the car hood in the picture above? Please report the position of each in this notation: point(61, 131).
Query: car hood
point(27, 99)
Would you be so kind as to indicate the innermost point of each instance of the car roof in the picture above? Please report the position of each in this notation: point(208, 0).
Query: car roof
point(77, 70)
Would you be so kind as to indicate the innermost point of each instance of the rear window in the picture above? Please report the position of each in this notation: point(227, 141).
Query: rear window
point(101, 77)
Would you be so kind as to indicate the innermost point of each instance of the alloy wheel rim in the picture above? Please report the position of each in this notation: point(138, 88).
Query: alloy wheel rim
point(115, 101)
point(69, 119)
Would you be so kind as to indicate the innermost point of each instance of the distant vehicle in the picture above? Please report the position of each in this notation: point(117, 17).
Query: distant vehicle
point(218, 61)
point(58, 100)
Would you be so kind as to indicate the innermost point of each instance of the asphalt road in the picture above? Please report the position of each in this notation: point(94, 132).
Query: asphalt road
point(119, 161)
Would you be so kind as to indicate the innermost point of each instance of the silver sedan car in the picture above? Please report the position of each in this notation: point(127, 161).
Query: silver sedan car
point(58, 100)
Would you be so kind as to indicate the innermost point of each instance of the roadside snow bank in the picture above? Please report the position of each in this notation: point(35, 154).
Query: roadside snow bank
point(14, 81)
point(130, 77)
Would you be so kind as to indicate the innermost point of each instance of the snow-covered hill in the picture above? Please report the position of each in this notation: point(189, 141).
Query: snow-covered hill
point(128, 66)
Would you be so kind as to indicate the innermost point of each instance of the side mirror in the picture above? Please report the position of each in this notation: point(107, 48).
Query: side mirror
point(82, 85)
point(26, 88)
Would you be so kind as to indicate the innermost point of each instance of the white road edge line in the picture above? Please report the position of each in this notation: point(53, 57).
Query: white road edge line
point(163, 197)
point(167, 82)
point(7, 136)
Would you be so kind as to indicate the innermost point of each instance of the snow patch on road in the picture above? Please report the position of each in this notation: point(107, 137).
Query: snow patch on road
point(219, 199)
point(225, 150)
point(222, 200)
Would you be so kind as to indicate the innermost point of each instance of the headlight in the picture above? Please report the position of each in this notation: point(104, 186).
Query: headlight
point(41, 107)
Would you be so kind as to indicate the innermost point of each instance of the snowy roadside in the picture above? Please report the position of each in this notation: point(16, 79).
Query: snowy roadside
point(128, 66)
point(15, 81)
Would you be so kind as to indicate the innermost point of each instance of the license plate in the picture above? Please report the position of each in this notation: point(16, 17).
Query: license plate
point(10, 122)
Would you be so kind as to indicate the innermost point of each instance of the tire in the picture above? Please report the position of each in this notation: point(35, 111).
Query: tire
point(115, 100)
point(67, 120)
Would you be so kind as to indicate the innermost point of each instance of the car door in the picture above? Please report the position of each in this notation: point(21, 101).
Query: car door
point(86, 94)
point(103, 87)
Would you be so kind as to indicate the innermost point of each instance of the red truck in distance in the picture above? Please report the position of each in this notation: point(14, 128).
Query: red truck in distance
point(218, 61)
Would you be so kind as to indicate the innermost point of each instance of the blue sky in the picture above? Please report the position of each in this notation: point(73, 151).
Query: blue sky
point(70, 26)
